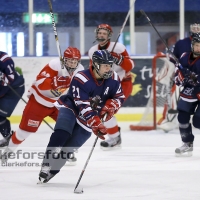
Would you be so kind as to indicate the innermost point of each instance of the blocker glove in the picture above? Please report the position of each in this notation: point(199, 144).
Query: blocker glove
point(97, 127)
point(117, 58)
point(110, 108)
point(60, 82)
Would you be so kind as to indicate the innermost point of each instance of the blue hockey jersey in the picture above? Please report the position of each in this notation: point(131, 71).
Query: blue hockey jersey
point(182, 46)
point(8, 74)
point(189, 92)
point(83, 88)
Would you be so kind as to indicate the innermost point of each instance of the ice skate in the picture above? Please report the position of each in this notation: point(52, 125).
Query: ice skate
point(111, 143)
point(6, 155)
point(185, 150)
point(5, 141)
point(45, 175)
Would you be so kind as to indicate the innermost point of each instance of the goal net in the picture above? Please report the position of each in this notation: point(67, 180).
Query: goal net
point(161, 94)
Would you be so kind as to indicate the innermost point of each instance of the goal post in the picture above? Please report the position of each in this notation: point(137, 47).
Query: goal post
point(159, 101)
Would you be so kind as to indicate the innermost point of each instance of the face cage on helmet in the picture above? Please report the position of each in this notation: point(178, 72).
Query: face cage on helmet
point(195, 28)
point(109, 32)
point(106, 75)
point(70, 69)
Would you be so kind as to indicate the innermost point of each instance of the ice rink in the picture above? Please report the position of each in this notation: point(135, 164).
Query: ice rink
point(145, 168)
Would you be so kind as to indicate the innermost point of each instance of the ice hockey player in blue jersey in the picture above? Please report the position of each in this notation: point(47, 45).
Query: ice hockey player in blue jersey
point(170, 122)
point(8, 98)
point(184, 45)
point(188, 76)
point(78, 116)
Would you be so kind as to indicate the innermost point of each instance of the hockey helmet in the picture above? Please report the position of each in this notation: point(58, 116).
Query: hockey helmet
point(102, 57)
point(104, 27)
point(194, 28)
point(71, 59)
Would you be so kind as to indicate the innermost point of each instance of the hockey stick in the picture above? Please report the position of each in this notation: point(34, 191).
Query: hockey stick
point(80, 190)
point(163, 41)
point(24, 101)
point(170, 110)
point(63, 69)
point(77, 190)
point(123, 25)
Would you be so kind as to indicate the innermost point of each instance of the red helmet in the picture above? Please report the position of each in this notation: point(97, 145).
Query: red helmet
point(71, 59)
point(72, 52)
point(105, 27)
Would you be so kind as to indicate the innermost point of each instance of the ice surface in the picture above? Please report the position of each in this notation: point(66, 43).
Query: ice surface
point(145, 168)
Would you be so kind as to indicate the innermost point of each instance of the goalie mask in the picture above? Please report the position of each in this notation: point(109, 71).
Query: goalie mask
point(71, 59)
point(196, 44)
point(102, 57)
point(104, 27)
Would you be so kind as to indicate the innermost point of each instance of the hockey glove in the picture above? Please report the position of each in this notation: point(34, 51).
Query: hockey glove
point(181, 75)
point(117, 58)
point(110, 108)
point(97, 127)
point(60, 82)
point(194, 79)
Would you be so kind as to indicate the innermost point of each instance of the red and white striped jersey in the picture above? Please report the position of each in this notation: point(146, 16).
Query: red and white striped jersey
point(42, 87)
point(127, 64)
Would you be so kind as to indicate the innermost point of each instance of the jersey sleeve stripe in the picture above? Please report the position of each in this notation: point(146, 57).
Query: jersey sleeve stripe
point(86, 110)
point(4, 57)
point(82, 102)
point(82, 78)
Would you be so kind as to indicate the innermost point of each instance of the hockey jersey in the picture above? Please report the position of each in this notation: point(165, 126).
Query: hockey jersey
point(83, 88)
point(42, 88)
point(189, 92)
point(127, 64)
point(182, 46)
point(8, 74)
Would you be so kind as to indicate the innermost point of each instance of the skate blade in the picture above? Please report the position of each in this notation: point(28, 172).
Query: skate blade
point(41, 180)
point(185, 154)
point(111, 148)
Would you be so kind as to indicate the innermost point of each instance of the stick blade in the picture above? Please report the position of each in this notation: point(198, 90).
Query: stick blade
point(172, 111)
point(78, 190)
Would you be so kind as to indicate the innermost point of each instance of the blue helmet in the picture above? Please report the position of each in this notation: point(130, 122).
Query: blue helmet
point(102, 57)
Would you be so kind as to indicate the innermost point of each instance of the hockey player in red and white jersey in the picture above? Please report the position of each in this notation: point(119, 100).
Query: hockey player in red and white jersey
point(45, 90)
point(123, 66)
